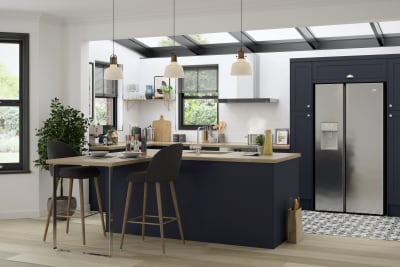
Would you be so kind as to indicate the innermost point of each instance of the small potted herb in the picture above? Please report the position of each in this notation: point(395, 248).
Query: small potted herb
point(260, 143)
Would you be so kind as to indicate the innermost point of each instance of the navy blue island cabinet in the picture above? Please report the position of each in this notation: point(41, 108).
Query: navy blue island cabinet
point(227, 198)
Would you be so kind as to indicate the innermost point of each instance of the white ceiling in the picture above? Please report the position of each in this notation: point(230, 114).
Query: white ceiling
point(274, 13)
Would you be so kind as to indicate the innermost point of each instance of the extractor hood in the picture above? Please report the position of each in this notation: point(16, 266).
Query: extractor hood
point(246, 89)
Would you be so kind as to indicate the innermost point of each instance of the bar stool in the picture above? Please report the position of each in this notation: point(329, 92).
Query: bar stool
point(58, 149)
point(164, 167)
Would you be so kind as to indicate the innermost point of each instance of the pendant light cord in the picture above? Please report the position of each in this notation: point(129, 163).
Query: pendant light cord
point(113, 28)
point(174, 24)
point(241, 23)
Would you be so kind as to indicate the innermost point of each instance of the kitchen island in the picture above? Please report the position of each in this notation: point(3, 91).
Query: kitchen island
point(224, 197)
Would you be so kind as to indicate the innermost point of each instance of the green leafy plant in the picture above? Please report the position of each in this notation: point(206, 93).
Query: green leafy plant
point(64, 124)
point(260, 140)
point(166, 88)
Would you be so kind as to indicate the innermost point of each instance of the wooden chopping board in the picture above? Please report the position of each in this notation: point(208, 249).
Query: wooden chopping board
point(162, 130)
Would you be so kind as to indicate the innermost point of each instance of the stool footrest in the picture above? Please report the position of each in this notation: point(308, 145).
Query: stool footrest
point(76, 214)
point(139, 220)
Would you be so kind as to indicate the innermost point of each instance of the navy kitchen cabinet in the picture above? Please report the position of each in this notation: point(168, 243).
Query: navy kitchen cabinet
point(302, 141)
point(301, 86)
point(393, 163)
point(349, 70)
point(393, 84)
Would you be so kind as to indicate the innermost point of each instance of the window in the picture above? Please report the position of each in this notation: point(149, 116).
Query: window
point(198, 97)
point(105, 97)
point(14, 99)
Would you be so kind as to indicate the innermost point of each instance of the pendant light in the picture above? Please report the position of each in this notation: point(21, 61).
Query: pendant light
point(113, 72)
point(241, 67)
point(173, 69)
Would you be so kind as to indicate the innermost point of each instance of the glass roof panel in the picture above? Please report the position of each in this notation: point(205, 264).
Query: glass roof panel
point(161, 41)
point(390, 27)
point(275, 34)
point(342, 30)
point(213, 38)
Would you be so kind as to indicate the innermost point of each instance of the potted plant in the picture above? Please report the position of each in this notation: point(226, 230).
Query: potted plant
point(260, 143)
point(167, 90)
point(64, 124)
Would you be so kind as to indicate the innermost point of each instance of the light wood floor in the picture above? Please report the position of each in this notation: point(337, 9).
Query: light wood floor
point(21, 245)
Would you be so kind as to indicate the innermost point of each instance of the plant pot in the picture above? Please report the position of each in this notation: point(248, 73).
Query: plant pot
point(167, 96)
point(260, 149)
point(62, 205)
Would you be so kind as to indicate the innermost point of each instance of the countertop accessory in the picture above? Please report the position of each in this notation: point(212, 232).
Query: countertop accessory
point(162, 130)
point(130, 154)
point(267, 143)
point(113, 72)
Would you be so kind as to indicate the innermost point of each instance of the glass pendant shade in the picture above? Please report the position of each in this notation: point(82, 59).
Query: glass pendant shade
point(173, 69)
point(241, 67)
point(113, 72)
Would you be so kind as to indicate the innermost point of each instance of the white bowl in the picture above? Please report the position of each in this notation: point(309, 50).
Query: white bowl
point(131, 154)
point(98, 153)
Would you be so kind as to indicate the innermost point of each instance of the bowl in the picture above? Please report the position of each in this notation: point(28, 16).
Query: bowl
point(130, 154)
point(98, 153)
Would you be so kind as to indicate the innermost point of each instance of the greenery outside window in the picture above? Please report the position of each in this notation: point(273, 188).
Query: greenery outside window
point(14, 100)
point(198, 97)
point(105, 97)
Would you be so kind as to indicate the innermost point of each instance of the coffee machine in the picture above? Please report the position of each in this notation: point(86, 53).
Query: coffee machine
point(95, 132)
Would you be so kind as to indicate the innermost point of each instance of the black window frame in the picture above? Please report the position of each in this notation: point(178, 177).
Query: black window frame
point(181, 96)
point(23, 102)
point(114, 97)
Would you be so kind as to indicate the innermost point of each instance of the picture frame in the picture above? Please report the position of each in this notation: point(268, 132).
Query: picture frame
point(158, 81)
point(91, 90)
point(282, 136)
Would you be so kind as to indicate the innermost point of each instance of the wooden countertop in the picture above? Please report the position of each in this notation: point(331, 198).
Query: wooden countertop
point(154, 143)
point(116, 159)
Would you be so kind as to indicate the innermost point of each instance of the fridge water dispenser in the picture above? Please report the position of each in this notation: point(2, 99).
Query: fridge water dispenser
point(329, 136)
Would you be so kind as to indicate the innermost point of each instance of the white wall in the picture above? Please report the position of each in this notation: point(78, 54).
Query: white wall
point(22, 195)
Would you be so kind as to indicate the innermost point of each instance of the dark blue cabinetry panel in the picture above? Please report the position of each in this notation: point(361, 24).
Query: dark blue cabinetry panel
point(393, 163)
point(301, 86)
point(393, 84)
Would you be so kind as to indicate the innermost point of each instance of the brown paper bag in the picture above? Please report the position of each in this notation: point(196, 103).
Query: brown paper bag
point(294, 226)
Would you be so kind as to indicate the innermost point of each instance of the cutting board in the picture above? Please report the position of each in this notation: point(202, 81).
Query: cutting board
point(162, 130)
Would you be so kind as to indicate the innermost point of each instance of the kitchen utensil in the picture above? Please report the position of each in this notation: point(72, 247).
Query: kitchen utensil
point(150, 133)
point(162, 130)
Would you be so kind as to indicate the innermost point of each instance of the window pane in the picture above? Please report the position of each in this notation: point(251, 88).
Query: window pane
point(98, 81)
point(162, 41)
point(200, 111)
point(208, 80)
point(9, 134)
point(342, 30)
point(9, 71)
point(213, 38)
point(104, 110)
point(390, 27)
point(275, 34)
point(190, 80)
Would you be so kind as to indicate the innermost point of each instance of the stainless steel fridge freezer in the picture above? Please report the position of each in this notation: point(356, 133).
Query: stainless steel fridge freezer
point(349, 147)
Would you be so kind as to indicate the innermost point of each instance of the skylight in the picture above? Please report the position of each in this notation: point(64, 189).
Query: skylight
point(213, 38)
point(342, 30)
point(161, 41)
point(390, 27)
point(275, 34)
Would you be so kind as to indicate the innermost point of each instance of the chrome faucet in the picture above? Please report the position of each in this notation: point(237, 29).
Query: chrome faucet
point(198, 147)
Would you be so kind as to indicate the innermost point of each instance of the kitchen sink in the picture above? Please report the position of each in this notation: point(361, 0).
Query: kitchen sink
point(208, 152)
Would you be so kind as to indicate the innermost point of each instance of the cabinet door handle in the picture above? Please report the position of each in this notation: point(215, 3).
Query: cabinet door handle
point(350, 76)
point(390, 105)
point(390, 115)
point(308, 106)
point(308, 115)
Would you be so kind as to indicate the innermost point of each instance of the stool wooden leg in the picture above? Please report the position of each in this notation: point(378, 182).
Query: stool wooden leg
point(145, 188)
point(71, 183)
point(160, 215)
point(127, 205)
point(82, 211)
point(49, 214)
point(177, 214)
point(96, 184)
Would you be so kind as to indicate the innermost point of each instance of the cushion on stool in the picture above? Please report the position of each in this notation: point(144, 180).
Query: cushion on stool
point(79, 172)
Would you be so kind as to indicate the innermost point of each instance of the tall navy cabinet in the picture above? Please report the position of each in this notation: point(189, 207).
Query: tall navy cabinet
point(304, 74)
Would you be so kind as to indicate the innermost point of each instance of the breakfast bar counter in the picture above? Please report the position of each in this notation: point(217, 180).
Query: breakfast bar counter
point(224, 197)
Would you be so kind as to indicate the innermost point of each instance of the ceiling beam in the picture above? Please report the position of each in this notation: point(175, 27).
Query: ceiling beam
point(248, 43)
point(188, 43)
point(308, 36)
point(376, 28)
